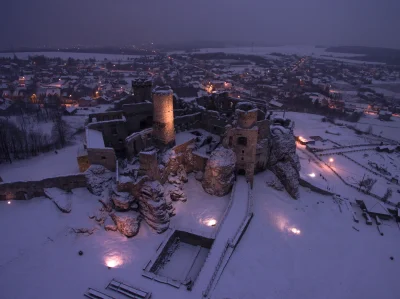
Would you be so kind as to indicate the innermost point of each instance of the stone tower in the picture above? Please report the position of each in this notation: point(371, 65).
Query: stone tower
point(242, 138)
point(142, 89)
point(163, 116)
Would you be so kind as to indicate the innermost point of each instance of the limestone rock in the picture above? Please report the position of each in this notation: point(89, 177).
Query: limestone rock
point(109, 225)
point(127, 223)
point(289, 177)
point(275, 183)
point(122, 200)
point(219, 173)
point(173, 179)
point(182, 175)
point(263, 153)
point(283, 160)
point(153, 206)
point(178, 194)
point(199, 175)
point(100, 216)
point(106, 202)
point(98, 179)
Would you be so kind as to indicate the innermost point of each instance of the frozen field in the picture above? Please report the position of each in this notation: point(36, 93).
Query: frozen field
point(66, 55)
point(303, 50)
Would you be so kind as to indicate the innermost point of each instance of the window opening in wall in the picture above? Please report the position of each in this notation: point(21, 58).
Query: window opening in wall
point(242, 141)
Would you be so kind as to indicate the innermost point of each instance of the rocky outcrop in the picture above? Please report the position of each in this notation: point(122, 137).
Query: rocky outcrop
point(199, 176)
point(263, 152)
point(177, 194)
point(127, 223)
point(219, 173)
point(122, 201)
point(99, 179)
point(283, 160)
point(110, 225)
point(153, 206)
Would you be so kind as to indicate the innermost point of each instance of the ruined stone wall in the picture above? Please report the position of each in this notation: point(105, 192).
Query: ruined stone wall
point(83, 163)
point(213, 122)
point(137, 142)
point(114, 133)
point(263, 129)
point(29, 189)
point(247, 119)
point(149, 164)
point(102, 156)
point(138, 116)
point(105, 116)
point(163, 116)
point(199, 162)
point(142, 89)
point(188, 122)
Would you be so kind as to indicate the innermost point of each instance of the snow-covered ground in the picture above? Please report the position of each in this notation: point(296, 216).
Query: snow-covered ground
point(43, 166)
point(292, 249)
point(327, 259)
point(200, 210)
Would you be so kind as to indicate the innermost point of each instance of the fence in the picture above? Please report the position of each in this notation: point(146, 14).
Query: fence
point(233, 242)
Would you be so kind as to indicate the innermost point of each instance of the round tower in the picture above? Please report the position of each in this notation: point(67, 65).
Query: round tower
point(163, 116)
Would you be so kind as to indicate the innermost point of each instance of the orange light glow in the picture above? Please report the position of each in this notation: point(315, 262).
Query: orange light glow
point(113, 261)
point(295, 231)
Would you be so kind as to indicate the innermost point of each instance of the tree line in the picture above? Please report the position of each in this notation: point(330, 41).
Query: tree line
point(19, 140)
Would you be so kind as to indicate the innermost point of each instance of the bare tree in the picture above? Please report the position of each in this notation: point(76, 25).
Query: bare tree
point(388, 194)
point(60, 131)
point(367, 183)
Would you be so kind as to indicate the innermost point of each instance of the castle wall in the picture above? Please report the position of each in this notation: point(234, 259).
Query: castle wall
point(149, 165)
point(29, 189)
point(137, 142)
point(105, 116)
point(138, 116)
point(114, 133)
point(247, 119)
point(102, 156)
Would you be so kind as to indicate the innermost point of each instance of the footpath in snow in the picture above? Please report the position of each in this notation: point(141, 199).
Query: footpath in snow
point(227, 230)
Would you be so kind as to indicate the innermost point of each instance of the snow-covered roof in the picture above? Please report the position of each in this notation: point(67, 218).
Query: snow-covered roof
point(94, 139)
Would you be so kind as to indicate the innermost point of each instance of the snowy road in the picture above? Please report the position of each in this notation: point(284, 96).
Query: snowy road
point(226, 232)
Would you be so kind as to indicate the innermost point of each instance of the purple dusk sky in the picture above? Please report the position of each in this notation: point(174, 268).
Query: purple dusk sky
point(119, 22)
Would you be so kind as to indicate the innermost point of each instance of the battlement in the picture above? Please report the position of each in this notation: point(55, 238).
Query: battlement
point(162, 91)
point(142, 82)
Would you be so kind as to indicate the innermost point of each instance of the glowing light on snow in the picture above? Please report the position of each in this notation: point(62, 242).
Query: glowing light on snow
point(113, 261)
point(211, 222)
point(312, 175)
point(331, 160)
point(9, 202)
point(295, 231)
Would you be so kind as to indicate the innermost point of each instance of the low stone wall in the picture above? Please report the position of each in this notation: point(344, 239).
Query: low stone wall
point(102, 156)
point(29, 189)
point(306, 184)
